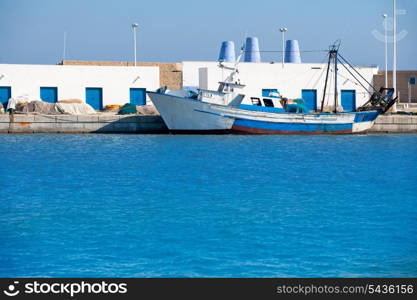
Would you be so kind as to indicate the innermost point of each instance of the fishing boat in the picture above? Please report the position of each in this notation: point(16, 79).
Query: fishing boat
point(222, 111)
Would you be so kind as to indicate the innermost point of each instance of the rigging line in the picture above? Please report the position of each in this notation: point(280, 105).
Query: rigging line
point(357, 73)
point(350, 65)
point(325, 83)
point(318, 79)
point(280, 51)
point(320, 76)
point(330, 94)
point(330, 88)
point(355, 77)
point(348, 79)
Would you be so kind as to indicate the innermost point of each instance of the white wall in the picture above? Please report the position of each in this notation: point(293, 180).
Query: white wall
point(290, 80)
point(72, 81)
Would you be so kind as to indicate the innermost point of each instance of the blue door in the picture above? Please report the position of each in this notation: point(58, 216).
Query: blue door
point(310, 99)
point(94, 97)
point(5, 95)
point(49, 94)
point(349, 100)
point(137, 96)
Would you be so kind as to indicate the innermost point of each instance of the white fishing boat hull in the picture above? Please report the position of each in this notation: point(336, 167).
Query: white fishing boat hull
point(184, 114)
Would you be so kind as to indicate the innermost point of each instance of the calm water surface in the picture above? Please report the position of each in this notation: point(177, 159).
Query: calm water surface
point(174, 206)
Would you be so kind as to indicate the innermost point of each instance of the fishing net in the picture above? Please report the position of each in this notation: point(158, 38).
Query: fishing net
point(127, 109)
point(46, 108)
point(147, 110)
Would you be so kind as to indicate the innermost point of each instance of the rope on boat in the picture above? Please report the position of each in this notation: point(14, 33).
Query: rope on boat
point(321, 74)
point(357, 72)
point(355, 77)
point(280, 51)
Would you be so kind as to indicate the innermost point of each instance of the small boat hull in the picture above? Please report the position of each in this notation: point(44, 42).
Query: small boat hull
point(253, 126)
point(289, 129)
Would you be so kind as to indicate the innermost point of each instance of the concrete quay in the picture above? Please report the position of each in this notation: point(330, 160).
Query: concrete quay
point(33, 123)
point(395, 124)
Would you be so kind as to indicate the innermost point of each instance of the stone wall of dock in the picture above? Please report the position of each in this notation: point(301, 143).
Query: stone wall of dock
point(31, 123)
point(20, 123)
point(395, 124)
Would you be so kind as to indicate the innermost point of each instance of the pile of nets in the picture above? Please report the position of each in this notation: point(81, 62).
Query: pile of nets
point(112, 107)
point(296, 106)
point(78, 107)
point(75, 108)
point(127, 109)
point(40, 107)
point(147, 110)
point(67, 107)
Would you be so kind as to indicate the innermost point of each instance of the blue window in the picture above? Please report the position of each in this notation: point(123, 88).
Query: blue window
point(310, 99)
point(270, 93)
point(137, 96)
point(49, 94)
point(94, 97)
point(5, 95)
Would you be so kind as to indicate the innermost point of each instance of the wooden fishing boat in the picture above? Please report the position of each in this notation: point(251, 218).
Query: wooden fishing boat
point(222, 111)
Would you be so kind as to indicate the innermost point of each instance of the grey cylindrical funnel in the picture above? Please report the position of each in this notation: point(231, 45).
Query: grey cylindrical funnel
point(292, 52)
point(227, 52)
point(252, 53)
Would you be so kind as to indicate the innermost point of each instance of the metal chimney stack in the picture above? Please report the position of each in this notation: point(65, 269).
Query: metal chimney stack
point(252, 53)
point(292, 52)
point(227, 52)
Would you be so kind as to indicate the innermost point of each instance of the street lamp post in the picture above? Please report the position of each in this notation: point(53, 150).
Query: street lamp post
point(385, 16)
point(134, 26)
point(283, 31)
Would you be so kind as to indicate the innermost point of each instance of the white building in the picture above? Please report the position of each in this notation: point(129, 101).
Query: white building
point(100, 85)
point(97, 85)
point(294, 80)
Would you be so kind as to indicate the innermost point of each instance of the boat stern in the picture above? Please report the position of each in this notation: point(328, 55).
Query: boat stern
point(364, 121)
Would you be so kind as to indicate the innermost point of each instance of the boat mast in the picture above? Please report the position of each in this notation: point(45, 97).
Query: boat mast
point(234, 69)
point(325, 83)
point(333, 53)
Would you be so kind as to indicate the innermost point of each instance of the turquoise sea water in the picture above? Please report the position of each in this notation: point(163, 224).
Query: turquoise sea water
point(208, 206)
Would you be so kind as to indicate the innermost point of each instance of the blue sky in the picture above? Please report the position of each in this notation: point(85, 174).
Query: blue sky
point(32, 31)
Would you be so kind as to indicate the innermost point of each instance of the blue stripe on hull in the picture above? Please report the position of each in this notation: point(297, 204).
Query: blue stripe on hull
point(261, 108)
point(261, 126)
point(366, 116)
